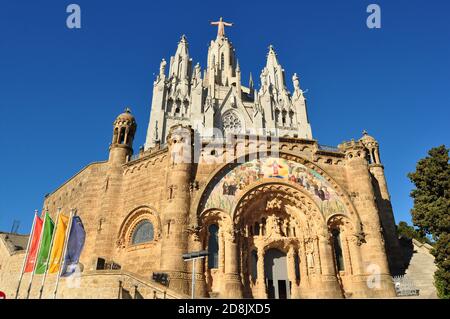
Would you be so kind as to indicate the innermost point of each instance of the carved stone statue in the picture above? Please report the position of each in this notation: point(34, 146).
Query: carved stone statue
point(273, 225)
point(309, 249)
point(162, 68)
point(296, 82)
point(221, 27)
point(263, 77)
point(197, 73)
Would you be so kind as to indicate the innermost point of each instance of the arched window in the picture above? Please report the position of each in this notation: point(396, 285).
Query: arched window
point(127, 139)
point(297, 266)
point(283, 118)
point(213, 246)
point(177, 107)
point(337, 246)
point(143, 232)
point(277, 116)
point(222, 62)
point(257, 229)
point(122, 135)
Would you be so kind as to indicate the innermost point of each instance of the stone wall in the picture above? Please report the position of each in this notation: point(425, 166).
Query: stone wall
point(111, 196)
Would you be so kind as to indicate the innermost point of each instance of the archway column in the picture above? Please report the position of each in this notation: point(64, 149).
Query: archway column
point(329, 285)
point(359, 282)
point(260, 284)
point(200, 284)
point(233, 285)
point(355, 254)
point(295, 289)
point(303, 266)
point(221, 252)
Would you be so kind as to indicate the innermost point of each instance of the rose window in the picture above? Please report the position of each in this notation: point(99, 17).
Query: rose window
point(231, 123)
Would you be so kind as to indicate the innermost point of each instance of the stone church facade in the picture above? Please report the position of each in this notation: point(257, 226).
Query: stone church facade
point(280, 215)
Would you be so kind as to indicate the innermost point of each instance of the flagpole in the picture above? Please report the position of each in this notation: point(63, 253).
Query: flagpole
point(37, 256)
point(47, 266)
point(30, 238)
point(63, 256)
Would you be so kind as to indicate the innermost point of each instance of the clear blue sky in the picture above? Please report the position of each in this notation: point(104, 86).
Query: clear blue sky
point(61, 89)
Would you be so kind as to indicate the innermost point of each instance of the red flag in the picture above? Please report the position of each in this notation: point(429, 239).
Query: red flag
point(34, 247)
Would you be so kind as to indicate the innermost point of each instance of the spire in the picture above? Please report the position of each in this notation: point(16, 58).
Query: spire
point(273, 72)
point(182, 48)
point(180, 62)
point(272, 57)
point(222, 67)
point(272, 54)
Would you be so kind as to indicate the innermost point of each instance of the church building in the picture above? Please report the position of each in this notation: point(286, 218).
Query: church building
point(232, 169)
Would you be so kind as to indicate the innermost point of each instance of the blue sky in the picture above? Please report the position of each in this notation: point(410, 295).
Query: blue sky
point(61, 89)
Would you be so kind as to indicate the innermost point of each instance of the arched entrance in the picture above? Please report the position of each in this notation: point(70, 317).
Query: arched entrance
point(279, 204)
point(283, 232)
point(276, 275)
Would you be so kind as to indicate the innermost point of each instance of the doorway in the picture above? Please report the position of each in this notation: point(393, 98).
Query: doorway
point(275, 274)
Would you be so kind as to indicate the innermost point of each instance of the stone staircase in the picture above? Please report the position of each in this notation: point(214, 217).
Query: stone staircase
point(420, 268)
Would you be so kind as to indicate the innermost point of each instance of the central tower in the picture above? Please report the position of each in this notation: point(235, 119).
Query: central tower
point(215, 103)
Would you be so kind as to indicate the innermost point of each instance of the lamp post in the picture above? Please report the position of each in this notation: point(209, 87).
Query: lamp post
point(193, 256)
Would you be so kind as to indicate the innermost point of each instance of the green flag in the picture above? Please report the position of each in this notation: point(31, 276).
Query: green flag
point(44, 249)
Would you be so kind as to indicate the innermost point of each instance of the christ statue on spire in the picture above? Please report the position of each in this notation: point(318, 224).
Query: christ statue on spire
point(221, 27)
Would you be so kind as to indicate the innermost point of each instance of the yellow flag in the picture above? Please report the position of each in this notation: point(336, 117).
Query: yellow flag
point(58, 244)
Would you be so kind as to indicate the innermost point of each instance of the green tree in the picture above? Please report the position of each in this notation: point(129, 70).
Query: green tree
point(403, 229)
point(431, 212)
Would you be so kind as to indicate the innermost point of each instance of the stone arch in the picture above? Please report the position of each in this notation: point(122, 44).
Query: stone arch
point(214, 216)
point(344, 222)
point(276, 192)
point(288, 208)
point(132, 220)
point(350, 238)
point(216, 176)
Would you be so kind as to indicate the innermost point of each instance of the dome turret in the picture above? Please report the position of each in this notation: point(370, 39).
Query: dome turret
point(124, 129)
point(371, 144)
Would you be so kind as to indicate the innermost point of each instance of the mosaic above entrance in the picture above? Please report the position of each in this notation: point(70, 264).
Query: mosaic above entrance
point(228, 190)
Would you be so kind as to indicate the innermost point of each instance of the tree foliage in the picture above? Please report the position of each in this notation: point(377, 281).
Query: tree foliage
point(431, 212)
point(404, 230)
